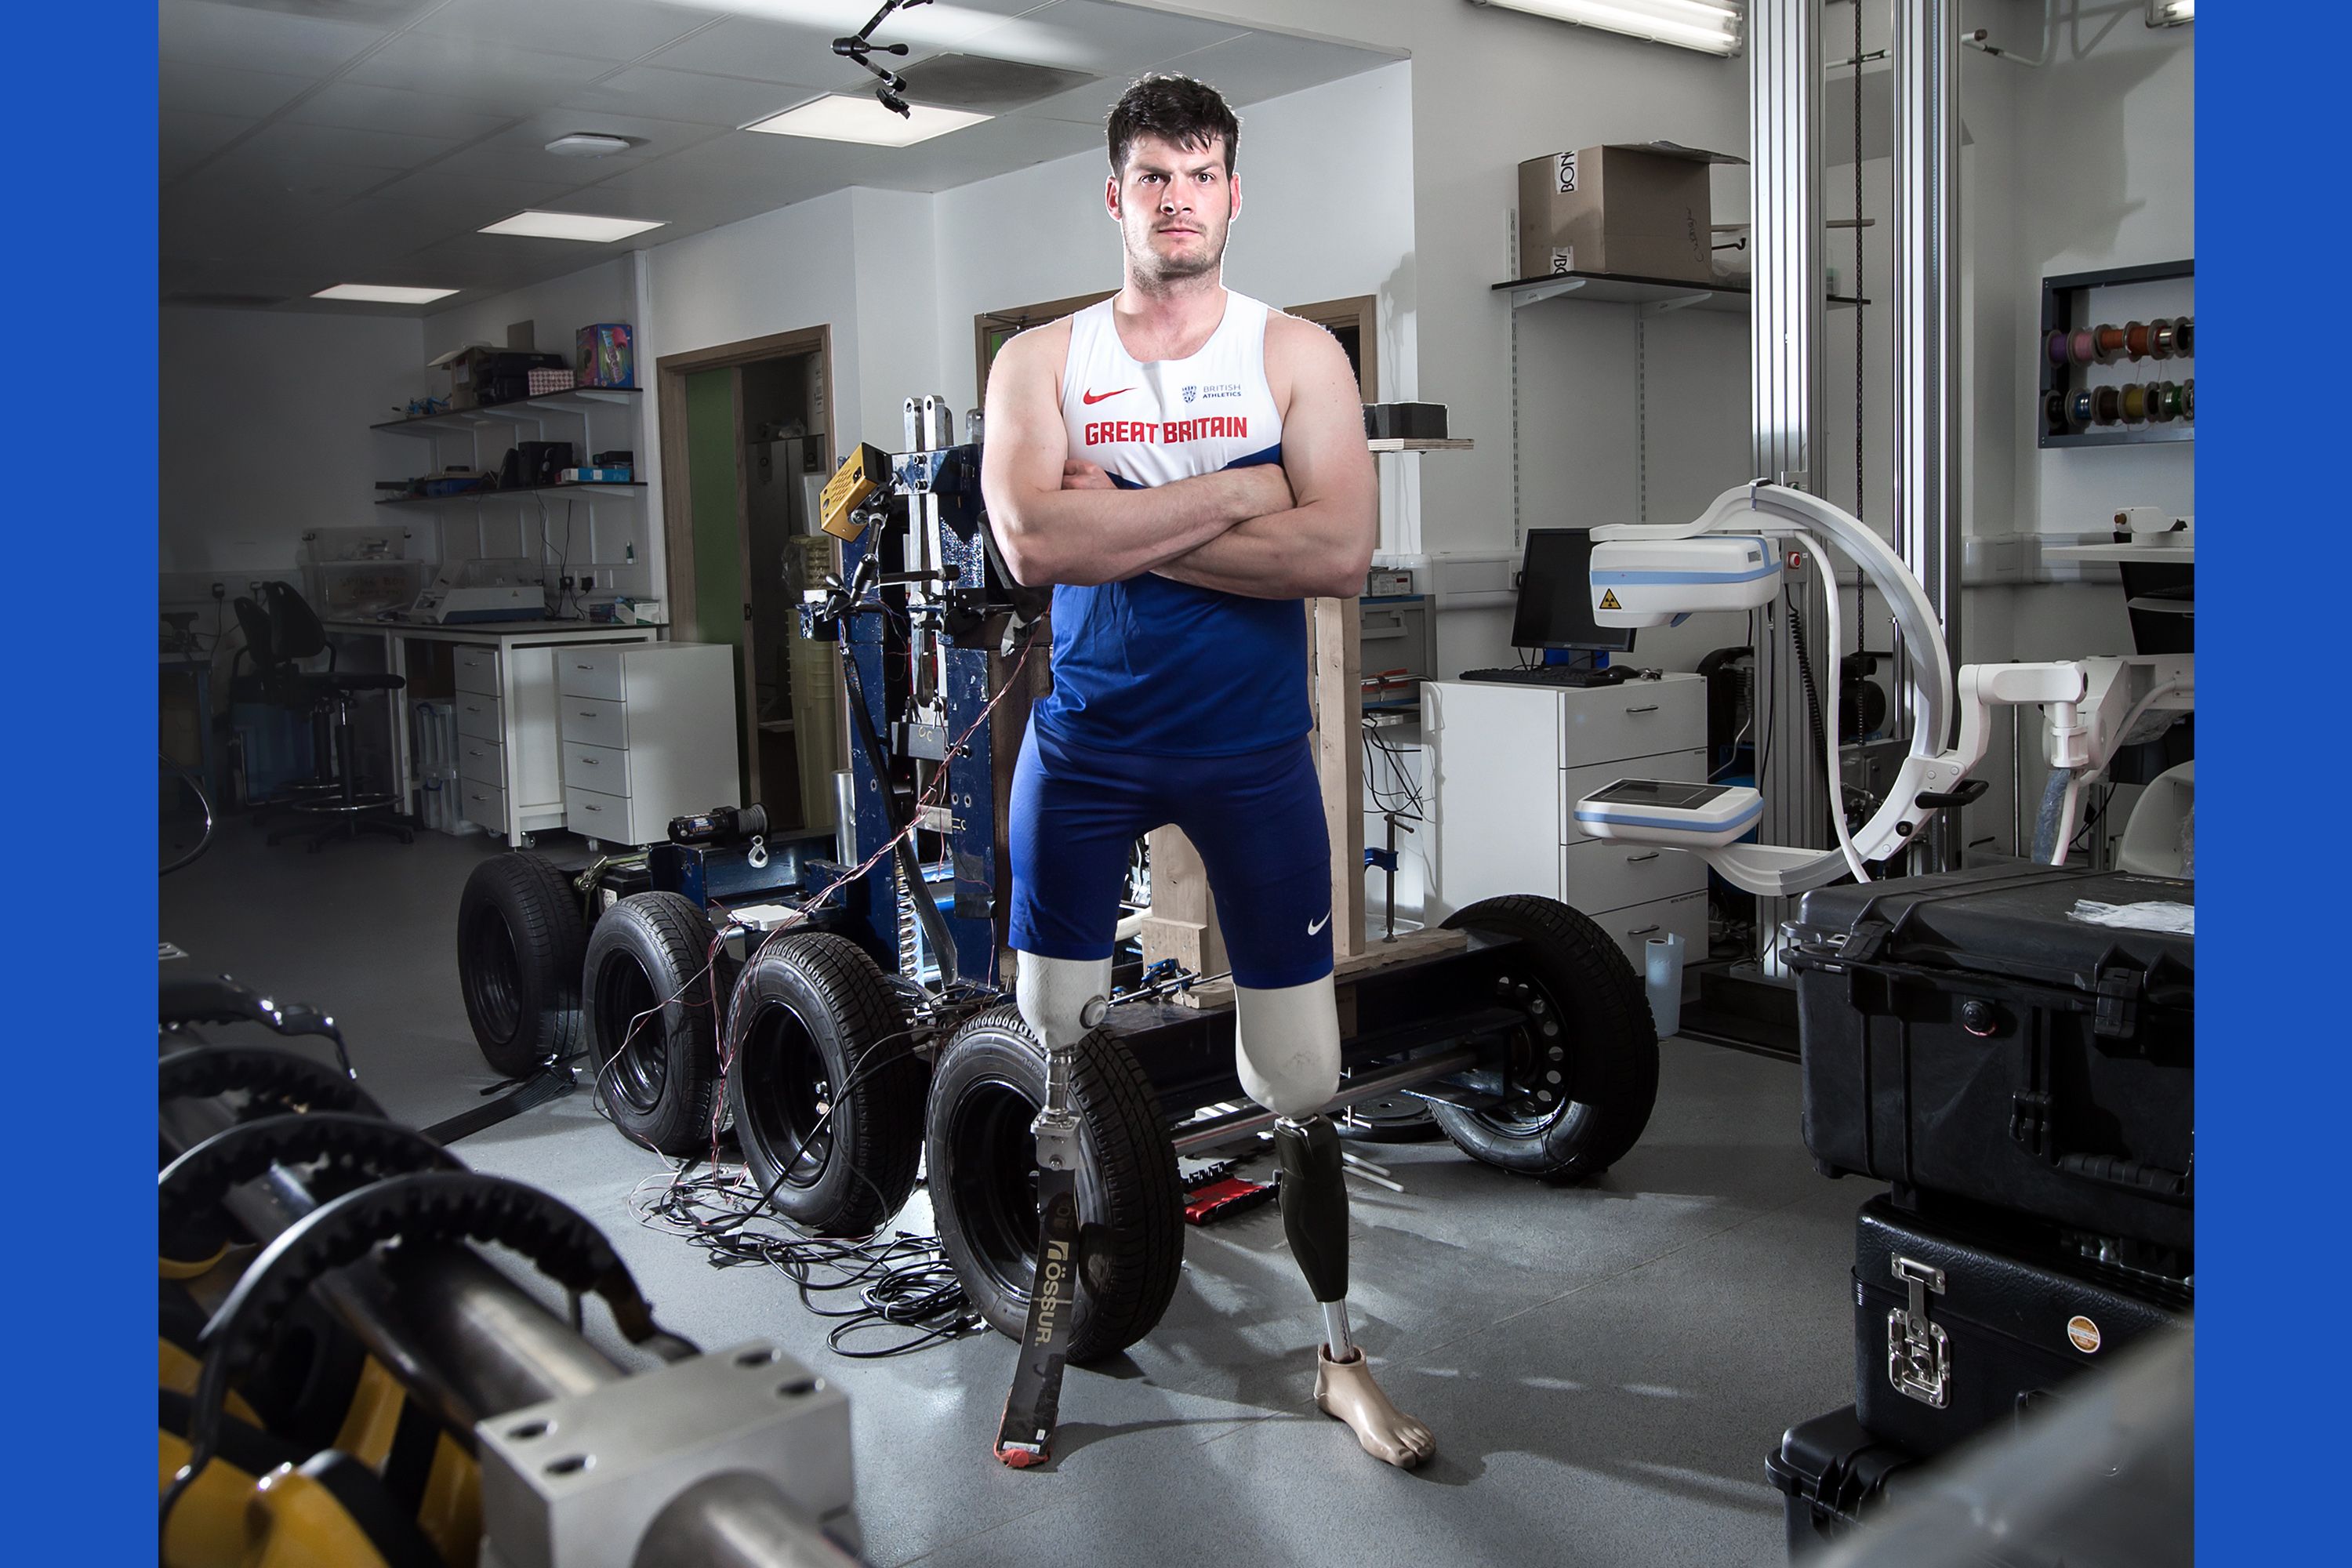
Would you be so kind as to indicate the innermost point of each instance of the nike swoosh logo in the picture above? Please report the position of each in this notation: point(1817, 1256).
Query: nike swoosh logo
point(1317, 928)
point(1091, 398)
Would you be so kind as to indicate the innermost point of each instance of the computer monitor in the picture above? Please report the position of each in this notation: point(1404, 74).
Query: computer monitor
point(1556, 597)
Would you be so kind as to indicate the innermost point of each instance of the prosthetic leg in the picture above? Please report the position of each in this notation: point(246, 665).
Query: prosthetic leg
point(1288, 1047)
point(1061, 1000)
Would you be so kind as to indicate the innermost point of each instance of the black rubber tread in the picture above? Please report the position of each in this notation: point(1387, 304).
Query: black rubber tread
point(535, 901)
point(1613, 1063)
point(1130, 1198)
point(874, 1136)
point(669, 939)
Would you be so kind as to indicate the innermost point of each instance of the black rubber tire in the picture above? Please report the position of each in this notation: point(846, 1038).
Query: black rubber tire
point(812, 1025)
point(1610, 1074)
point(986, 1088)
point(521, 939)
point(650, 958)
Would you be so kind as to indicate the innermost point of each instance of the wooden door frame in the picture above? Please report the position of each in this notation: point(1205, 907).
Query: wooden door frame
point(1362, 313)
point(677, 488)
point(1021, 318)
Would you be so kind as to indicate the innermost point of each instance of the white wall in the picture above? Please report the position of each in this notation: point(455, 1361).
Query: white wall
point(262, 433)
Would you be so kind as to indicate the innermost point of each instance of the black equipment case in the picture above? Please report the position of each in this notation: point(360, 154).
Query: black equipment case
point(1960, 1324)
point(1828, 1471)
point(1963, 1034)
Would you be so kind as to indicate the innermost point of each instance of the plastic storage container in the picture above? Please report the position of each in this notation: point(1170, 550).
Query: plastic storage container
point(358, 572)
point(1974, 1033)
point(433, 731)
point(1830, 1472)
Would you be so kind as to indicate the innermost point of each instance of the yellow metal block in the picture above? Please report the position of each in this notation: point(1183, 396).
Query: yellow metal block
point(862, 473)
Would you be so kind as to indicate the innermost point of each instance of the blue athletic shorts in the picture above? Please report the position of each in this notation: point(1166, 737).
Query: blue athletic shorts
point(1256, 819)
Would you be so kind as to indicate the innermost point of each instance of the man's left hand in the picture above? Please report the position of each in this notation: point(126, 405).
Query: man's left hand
point(1077, 474)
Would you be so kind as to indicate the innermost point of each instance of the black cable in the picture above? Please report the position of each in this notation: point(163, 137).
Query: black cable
point(1813, 692)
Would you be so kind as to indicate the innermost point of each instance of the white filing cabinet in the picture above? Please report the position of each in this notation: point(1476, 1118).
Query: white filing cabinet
point(1508, 764)
point(648, 734)
point(509, 779)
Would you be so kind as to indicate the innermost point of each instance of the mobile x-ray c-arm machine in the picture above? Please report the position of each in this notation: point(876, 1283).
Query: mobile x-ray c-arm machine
point(1730, 559)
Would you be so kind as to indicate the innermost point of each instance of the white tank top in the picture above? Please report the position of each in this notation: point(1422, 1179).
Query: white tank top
point(1152, 424)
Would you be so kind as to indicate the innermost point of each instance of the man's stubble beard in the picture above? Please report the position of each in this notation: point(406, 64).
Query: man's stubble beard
point(1152, 267)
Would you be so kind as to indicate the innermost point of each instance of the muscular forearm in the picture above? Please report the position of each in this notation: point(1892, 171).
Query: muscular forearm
point(1088, 536)
point(1311, 553)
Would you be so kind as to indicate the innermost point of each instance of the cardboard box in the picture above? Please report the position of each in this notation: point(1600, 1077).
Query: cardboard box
point(1630, 209)
point(463, 365)
point(604, 355)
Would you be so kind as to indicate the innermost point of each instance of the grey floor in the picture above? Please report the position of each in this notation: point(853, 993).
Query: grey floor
point(1605, 1365)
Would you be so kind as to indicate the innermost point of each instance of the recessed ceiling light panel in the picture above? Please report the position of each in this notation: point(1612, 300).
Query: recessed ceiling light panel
point(588, 145)
point(383, 293)
point(572, 225)
point(844, 117)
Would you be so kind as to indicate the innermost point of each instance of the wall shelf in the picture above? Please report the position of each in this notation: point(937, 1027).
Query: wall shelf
point(1420, 444)
point(2067, 305)
point(1620, 289)
point(467, 497)
point(522, 410)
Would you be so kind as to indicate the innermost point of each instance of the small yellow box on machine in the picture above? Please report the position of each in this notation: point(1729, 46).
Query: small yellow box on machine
point(862, 473)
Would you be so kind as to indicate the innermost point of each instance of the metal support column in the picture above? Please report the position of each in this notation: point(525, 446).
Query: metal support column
point(1785, 334)
point(1926, 332)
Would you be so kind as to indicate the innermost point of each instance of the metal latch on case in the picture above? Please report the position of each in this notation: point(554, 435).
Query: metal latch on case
point(1918, 1354)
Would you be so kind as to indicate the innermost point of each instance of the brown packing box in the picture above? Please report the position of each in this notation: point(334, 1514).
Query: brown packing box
point(1632, 209)
point(460, 364)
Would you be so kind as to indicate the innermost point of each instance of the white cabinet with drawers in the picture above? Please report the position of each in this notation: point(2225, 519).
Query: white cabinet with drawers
point(1508, 764)
point(648, 734)
point(505, 701)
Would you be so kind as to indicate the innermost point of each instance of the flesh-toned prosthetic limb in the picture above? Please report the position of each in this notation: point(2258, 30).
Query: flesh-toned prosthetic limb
point(1288, 1041)
point(1061, 1000)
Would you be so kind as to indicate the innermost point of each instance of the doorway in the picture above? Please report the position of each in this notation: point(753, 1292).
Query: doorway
point(747, 428)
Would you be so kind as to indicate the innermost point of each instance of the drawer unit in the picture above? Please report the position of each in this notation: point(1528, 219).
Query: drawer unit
point(485, 762)
point(604, 769)
point(1597, 875)
point(1575, 783)
point(592, 671)
point(591, 723)
point(1631, 928)
point(648, 734)
point(477, 669)
point(480, 717)
point(483, 803)
point(594, 815)
point(1506, 766)
point(1638, 719)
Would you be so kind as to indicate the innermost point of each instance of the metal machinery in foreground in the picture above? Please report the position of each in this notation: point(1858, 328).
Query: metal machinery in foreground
point(855, 986)
point(346, 1380)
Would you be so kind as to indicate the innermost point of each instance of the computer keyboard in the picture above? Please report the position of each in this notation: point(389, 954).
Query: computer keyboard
point(1550, 675)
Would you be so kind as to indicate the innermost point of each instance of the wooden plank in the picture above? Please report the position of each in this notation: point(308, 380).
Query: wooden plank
point(1408, 948)
point(1183, 921)
point(1336, 666)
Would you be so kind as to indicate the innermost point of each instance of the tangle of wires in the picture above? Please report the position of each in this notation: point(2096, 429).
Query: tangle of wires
point(1401, 793)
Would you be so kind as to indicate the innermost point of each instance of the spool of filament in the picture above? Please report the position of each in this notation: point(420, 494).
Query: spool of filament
point(2055, 345)
point(2163, 338)
point(2163, 400)
point(2053, 414)
point(2080, 347)
point(2082, 408)
point(2189, 398)
point(2107, 402)
point(2107, 342)
point(2136, 339)
point(2136, 404)
point(2185, 336)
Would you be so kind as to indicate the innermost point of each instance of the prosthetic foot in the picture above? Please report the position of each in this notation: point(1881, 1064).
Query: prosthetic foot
point(1315, 1217)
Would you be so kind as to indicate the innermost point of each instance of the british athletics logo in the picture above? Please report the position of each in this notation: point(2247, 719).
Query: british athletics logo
point(1151, 433)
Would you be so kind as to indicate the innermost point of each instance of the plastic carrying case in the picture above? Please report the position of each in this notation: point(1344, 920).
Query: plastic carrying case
point(1962, 1325)
point(1964, 1033)
point(1829, 1471)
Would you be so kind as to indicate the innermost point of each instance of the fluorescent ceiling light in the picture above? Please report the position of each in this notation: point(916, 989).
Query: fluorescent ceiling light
point(1711, 26)
point(842, 117)
point(572, 225)
point(383, 293)
point(2170, 13)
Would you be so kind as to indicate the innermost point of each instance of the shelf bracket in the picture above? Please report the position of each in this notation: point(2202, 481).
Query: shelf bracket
point(1540, 292)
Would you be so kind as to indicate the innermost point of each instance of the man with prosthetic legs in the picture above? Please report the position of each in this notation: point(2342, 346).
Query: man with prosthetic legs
point(1185, 468)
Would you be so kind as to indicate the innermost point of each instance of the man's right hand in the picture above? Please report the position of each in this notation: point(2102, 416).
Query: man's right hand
point(1266, 489)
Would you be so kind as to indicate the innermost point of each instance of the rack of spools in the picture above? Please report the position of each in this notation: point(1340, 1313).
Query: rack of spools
point(2106, 382)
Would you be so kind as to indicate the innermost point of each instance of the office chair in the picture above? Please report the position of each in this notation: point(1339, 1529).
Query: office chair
point(281, 634)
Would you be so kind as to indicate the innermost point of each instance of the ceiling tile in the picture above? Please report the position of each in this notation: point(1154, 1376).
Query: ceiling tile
point(1259, 65)
point(361, 106)
point(479, 76)
point(186, 140)
point(441, 203)
point(521, 151)
point(219, 90)
point(764, 50)
point(201, 33)
point(285, 147)
point(609, 30)
point(1093, 36)
point(689, 96)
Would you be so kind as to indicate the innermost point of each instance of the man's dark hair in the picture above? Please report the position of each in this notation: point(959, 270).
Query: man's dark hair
point(1176, 109)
